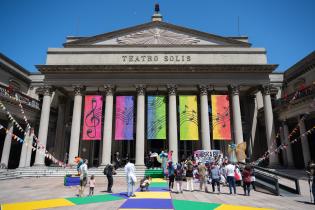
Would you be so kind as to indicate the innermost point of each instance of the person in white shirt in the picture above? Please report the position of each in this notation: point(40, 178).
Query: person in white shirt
point(131, 179)
point(230, 176)
point(83, 170)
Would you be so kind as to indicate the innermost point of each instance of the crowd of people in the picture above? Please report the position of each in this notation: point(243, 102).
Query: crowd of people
point(215, 173)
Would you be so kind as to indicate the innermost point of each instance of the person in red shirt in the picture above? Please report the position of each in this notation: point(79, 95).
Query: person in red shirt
point(246, 179)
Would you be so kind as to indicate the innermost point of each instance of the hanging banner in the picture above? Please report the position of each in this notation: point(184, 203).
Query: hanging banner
point(92, 121)
point(124, 118)
point(221, 124)
point(156, 123)
point(188, 118)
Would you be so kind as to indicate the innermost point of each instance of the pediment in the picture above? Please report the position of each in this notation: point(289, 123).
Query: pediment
point(156, 33)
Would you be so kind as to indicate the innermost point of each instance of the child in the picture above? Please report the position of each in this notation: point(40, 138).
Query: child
point(144, 184)
point(92, 185)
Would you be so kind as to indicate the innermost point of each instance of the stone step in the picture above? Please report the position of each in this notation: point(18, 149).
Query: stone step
point(38, 171)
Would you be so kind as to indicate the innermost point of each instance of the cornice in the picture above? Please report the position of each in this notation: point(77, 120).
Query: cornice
point(147, 69)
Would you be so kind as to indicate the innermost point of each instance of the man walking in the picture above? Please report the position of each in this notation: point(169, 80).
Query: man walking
point(202, 171)
point(109, 171)
point(131, 179)
point(83, 170)
point(215, 175)
point(230, 171)
point(189, 175)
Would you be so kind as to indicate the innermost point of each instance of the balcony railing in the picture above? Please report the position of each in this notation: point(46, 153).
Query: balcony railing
point(4, 92)
point(296, 96)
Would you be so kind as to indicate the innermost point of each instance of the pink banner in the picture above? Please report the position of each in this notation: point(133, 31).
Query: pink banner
point(92, 121)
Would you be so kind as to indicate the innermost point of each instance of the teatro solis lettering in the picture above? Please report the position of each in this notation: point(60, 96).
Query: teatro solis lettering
point(155, 58)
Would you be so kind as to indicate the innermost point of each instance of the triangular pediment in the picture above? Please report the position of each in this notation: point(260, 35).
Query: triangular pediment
point(156, 33)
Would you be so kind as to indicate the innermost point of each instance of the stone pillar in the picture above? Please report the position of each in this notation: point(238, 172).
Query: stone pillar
point(75, 126)
point(288, 151)
point(304, 142)
point(172, 122)
point(205, 127)
point(253, 123)
point(29, 149)
point(237, 119)
point(107, 131)
point(269, 123)
point(24, 149)
point(43, 127)
point(7, 145)
point(140, 125)
point(60, 134)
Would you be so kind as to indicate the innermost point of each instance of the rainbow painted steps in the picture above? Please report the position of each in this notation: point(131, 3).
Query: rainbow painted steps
point(60, 202)
point(158, 198)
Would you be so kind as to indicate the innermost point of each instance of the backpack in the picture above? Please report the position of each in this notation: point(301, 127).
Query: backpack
point(106, 169)
point(190, 167)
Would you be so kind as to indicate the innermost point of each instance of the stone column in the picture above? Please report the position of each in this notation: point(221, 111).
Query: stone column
point(43, 127)
point(288, 151)
point(24, 150)
point(304, 142)
point(107, 131)
point(237, 119)
point(205, 127)
point(75, 126)
point(172, 122)
point(7, 145)
point(140, 125)
point(269, 123)
point(253, 122)
point(29, 149)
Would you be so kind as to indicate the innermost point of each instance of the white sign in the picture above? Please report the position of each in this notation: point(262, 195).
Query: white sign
point(206, 155)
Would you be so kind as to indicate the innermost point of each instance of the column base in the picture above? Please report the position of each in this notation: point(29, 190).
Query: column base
point(143, 167)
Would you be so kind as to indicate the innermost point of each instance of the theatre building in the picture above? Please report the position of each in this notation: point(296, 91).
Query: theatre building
point(152, 87)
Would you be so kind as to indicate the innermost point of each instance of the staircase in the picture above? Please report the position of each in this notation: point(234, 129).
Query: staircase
point(8, 174)
point(42, 171)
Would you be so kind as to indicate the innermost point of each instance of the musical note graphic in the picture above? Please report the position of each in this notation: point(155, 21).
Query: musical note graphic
point(93, 119)
point(156, 117)
point(188, 115)
point(125, 115)
point(221, 119)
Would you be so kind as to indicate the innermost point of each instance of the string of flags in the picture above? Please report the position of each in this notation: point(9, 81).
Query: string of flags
point(41, 149)
point(274, 145)
point(283, 146)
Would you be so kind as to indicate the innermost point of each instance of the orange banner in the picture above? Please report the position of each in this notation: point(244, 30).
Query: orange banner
point(221, 124)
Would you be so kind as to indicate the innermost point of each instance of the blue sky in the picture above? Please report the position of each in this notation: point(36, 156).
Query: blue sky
point(286, 28)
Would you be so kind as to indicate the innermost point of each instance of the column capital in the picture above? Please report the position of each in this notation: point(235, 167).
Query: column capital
point(109, 89)
point(78, 89)
point(172, 88)
point(265, 89)
point(140, 89)
point(46, 90)
point(203, 89)
point(234, 89)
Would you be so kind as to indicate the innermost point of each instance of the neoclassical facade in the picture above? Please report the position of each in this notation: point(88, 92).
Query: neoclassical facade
point(140, 61)
point(154, 59)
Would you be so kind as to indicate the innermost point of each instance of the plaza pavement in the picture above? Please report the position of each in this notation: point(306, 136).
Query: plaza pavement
point(45, 188)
